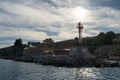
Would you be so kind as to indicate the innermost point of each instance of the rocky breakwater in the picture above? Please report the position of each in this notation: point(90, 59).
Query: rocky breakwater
point(64, 61)
point(60, 61)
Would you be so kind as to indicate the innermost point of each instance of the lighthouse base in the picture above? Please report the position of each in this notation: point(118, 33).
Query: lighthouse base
point(80, 53)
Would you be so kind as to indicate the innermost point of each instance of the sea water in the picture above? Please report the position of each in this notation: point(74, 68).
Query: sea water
point(13, 70)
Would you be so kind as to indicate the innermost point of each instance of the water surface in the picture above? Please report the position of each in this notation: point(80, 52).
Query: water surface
point(13, 70)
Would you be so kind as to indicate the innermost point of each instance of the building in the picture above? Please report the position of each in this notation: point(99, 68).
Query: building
point(62, 52)
point(35, 44)
point(33, 50)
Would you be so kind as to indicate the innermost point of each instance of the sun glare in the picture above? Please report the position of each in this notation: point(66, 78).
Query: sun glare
point(80, 14)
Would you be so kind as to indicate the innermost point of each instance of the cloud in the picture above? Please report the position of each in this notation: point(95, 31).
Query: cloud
point(35, 20)
point(105, 3)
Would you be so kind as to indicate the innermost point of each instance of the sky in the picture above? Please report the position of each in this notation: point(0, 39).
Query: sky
point(36, 20)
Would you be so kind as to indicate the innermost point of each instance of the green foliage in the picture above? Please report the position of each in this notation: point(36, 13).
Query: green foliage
point(109, 37)
point(76, 41)
point(101, 39)
point(18, 42)
point(49, 42)
point(105, 38)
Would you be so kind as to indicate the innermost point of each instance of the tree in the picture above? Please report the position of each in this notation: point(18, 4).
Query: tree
point(109, 37)
point(76, 41)
point(49, 42)
point(100, 39)
point(18, 42)
point(105, 38)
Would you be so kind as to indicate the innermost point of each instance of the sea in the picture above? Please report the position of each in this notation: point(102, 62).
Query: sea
point(14, 70)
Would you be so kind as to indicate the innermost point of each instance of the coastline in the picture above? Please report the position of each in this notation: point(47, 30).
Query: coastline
point(61, 61)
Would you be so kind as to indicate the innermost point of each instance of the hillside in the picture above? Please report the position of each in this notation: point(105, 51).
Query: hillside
point(65, 44)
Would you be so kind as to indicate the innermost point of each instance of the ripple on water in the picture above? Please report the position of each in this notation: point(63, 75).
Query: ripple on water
point(12, 70)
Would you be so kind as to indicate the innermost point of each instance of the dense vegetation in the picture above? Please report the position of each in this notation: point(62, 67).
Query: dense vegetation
point(13, 51)
point(102, 39)
point(18, 42)
point(49, 42)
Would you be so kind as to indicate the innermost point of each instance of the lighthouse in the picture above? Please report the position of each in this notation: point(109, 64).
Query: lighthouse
point(80, 28)
point(79, 52)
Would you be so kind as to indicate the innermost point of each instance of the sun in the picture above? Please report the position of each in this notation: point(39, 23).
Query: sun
point(80, 14)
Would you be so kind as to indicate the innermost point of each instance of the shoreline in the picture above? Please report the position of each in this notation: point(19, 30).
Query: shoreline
point(63, 62)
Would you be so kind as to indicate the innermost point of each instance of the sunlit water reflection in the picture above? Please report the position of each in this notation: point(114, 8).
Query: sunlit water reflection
point(12, 70)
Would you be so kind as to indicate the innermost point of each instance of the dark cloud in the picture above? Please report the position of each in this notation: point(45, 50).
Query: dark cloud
point(35, 20)
point(105, 3)
point(7, 38)
point(105, 29)
point(49, 2)
point(49, 33)
point(56, 24)
point(2, 11)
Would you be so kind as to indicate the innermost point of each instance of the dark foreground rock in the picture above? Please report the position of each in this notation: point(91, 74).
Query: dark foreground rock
point(66, 61)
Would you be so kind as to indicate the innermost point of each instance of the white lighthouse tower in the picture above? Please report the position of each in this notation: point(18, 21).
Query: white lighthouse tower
point(79, 51)
point(80, 28)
